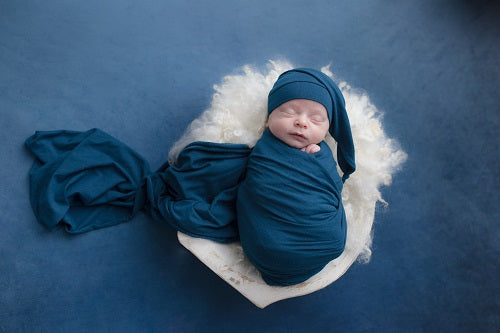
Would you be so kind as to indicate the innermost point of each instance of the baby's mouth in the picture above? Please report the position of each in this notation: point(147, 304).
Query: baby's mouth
point(298, 135)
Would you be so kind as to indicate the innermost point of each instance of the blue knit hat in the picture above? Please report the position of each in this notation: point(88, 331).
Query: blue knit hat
point(311, 84)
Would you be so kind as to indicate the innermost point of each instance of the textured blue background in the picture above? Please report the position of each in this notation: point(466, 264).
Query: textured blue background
point(142, 70)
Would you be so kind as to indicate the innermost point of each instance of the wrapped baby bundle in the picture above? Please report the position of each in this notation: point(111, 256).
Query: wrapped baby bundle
point(290, 213)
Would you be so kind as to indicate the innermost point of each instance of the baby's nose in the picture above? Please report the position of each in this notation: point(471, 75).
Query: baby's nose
point(301, 122)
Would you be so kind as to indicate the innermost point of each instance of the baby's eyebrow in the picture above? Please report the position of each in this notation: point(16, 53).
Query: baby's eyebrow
point(316, 112)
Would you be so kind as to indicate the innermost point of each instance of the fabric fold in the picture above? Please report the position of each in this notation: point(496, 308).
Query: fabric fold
point(197, 195)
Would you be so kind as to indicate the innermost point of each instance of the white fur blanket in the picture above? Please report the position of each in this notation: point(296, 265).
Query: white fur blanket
point(238, 114)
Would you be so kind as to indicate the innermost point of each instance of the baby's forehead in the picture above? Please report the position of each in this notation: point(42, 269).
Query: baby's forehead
point(303, 104)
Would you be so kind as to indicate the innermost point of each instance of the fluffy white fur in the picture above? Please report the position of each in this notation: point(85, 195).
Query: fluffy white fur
point(238, 114)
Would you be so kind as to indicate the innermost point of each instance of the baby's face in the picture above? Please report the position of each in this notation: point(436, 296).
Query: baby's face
point(299, 122)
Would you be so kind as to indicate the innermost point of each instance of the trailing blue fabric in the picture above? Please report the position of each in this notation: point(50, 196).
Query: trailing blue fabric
point(83, 180)
point(90, 180)
point(290, 213)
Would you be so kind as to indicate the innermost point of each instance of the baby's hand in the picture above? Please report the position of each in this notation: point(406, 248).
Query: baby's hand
point(311, 149)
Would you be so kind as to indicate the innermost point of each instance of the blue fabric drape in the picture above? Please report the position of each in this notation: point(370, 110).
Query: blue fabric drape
point(90, 180)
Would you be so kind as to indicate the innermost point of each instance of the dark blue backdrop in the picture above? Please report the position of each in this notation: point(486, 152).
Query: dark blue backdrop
point(142, 70)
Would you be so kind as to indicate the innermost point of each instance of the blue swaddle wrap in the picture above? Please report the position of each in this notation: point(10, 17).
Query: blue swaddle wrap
point(290, 213)
point(90, 180)
point(289, 210)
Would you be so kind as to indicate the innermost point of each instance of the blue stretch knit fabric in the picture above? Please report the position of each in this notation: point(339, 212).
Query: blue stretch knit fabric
point(90, 180)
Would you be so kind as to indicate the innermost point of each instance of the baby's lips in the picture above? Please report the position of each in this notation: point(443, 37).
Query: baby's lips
point(300, 135)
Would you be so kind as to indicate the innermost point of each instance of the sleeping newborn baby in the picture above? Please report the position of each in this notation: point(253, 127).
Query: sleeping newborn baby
point(289, 206)
point(282, 198)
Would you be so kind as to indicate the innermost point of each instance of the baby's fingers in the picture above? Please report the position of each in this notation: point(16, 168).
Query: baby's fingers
point(314, 149)
point(311, 149)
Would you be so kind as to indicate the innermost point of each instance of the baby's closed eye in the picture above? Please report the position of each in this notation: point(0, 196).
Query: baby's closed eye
point(318, 119)
point(287, 113)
